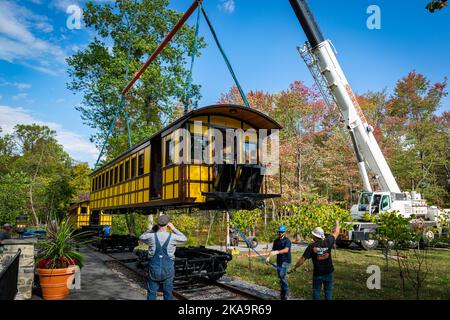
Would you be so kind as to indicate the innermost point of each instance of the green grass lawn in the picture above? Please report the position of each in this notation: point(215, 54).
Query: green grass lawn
point(350, 276)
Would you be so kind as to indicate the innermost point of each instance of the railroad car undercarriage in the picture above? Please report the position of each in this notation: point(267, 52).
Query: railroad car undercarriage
point(193, 262)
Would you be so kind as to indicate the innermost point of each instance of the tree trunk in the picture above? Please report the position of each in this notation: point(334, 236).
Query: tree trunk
point(132, 229)
point(36, 219)
point(273, 210)
point(211, 221)
point(150, 222)
point(299, 164)
point(265, 215)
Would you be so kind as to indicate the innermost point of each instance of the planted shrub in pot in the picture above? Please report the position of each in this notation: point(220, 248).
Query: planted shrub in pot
point(57, 254)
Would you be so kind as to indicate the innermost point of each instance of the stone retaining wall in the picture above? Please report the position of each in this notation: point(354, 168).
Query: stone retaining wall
point(8, 250)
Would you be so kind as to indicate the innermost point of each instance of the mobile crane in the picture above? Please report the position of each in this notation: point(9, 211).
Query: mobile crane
point(322, 62)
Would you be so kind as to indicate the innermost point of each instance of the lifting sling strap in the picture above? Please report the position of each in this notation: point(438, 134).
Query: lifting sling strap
point(188, 94)
point(249, 243)
point(227, 62)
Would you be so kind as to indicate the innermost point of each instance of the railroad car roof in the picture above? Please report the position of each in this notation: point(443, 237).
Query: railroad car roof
point(253, 117)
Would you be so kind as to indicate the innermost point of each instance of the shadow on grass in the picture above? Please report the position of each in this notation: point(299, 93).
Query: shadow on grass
point(350, 277)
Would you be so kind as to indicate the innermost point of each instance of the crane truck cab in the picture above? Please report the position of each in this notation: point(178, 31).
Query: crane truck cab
point(407, 204)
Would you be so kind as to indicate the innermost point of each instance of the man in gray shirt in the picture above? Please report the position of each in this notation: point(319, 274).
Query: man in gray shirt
point(161, 255)
point(7, 232)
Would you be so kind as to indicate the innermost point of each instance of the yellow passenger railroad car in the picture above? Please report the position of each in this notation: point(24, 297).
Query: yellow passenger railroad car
point(80, 215)
point(185, 165)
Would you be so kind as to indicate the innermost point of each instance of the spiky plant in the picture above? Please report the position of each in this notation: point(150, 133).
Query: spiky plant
point(59, 248)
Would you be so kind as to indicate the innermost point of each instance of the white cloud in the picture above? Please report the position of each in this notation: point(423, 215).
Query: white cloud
point(227, 6)
point(64, 4)
point(18, 85)
point(60, 100)
point(18, 44)
point(20, 96)
point(74, 143)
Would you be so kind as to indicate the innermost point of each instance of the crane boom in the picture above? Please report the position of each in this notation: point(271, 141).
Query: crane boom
point(324, 60)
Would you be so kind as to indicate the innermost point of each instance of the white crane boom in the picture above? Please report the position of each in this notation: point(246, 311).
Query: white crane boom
point(323, 64)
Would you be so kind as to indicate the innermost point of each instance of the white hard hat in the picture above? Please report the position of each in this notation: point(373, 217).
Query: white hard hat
point(318, 233)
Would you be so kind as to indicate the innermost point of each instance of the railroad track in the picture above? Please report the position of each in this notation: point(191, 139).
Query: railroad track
point(205, 289)
point(198, 288)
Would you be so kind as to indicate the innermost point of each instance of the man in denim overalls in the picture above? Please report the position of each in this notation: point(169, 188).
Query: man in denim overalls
point(161, 252)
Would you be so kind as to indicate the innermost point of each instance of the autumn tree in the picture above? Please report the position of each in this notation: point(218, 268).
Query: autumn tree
point(420, 152)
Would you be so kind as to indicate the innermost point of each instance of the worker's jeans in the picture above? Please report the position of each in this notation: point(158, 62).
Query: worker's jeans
point(327, 282)
point(282, 275)
point(153, 287)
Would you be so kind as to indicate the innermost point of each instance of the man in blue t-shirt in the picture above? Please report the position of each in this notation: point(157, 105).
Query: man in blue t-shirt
point(282, 249)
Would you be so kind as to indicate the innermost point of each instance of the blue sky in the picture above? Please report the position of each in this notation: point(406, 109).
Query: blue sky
point(260, 37)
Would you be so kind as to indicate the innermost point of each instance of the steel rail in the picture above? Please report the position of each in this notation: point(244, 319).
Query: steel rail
point(200, 285)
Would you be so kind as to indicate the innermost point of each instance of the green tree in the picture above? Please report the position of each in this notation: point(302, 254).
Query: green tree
point(127, 31)
point(303, 219)
point(45, 163)
point(436, 5)
point(6, 152)
point(186, 224)
point(80, 182)
point(13, 196)
point(394, 232)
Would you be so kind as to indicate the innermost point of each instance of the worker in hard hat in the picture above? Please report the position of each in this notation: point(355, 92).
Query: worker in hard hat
point(320, 253)
point(282, 249)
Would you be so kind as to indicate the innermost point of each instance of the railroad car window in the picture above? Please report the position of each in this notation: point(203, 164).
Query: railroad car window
point(95, 183)
point(127, 170)
point(116, 175)
point(92, 185)
point(169, 152)
point(250, 152)
point(198, 142)
point(104, 180)
point(108, 177)
point(121, 172)
point(133, 167)
point(141, 165)
point(83, 211)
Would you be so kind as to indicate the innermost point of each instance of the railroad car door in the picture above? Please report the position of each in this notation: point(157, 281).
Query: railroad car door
point(95, 218)
point(155, 169)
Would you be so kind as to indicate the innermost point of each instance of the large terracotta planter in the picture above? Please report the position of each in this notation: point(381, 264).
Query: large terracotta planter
point(55, 282)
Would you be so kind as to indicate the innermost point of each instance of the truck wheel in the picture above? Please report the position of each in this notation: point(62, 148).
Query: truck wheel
point(343, 244)
point(369, 244)
point(428, 236)
point(253, 242)
point(426, 239)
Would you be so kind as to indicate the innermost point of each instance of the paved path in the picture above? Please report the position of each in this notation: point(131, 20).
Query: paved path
point(98, 282)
